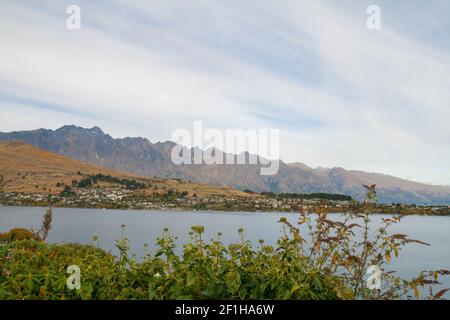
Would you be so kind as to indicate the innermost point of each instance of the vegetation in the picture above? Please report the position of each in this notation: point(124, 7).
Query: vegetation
point(67, 192)
point(90, 180)
point(43, 232)
point(16, 234)
point(34, 270)
point(349, 248)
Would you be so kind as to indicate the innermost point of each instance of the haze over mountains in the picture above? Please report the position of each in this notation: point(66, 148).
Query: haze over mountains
point(142, 157)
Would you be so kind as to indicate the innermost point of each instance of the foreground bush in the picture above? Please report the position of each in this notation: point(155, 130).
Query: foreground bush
point(16, 234)
point(35, 270)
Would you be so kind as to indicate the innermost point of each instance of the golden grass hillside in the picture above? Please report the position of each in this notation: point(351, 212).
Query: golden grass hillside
point(24, 168)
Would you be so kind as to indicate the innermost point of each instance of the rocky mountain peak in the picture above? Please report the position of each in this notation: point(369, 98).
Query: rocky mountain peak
point(139, 156)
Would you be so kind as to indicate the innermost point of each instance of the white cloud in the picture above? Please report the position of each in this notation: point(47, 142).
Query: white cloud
point(342, 95)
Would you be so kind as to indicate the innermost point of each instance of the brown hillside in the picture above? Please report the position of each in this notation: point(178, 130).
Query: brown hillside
point(24, 168)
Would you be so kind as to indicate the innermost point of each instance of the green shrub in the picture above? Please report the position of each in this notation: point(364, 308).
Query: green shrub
point(35, 270)
point(67, 192)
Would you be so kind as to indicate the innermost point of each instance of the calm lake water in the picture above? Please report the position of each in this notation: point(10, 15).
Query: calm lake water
point(80, 225)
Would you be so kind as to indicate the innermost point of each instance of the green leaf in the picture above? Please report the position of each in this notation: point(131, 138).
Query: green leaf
point(191, 279)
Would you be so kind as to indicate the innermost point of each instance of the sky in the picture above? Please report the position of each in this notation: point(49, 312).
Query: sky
point(342, 95)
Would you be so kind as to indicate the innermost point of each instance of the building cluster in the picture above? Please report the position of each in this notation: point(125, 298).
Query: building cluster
point(129, 199)
point(114, 198)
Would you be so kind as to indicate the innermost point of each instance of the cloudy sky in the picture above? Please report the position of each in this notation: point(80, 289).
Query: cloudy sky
point(341, 94)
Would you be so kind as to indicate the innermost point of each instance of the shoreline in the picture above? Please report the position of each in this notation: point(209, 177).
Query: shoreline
point(229, 210)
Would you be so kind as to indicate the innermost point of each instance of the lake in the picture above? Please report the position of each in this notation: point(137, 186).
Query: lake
point(80, 225)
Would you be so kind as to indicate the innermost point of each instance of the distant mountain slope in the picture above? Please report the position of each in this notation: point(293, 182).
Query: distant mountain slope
point(24, 168)
point(140, 156)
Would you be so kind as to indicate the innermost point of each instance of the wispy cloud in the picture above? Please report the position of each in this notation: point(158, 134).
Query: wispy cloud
point(341, 94)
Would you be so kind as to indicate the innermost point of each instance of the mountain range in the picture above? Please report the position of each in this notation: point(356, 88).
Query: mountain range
point(25, 168)
point(141, 157)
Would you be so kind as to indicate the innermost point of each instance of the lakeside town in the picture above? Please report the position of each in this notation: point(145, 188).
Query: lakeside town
point(134, 197)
